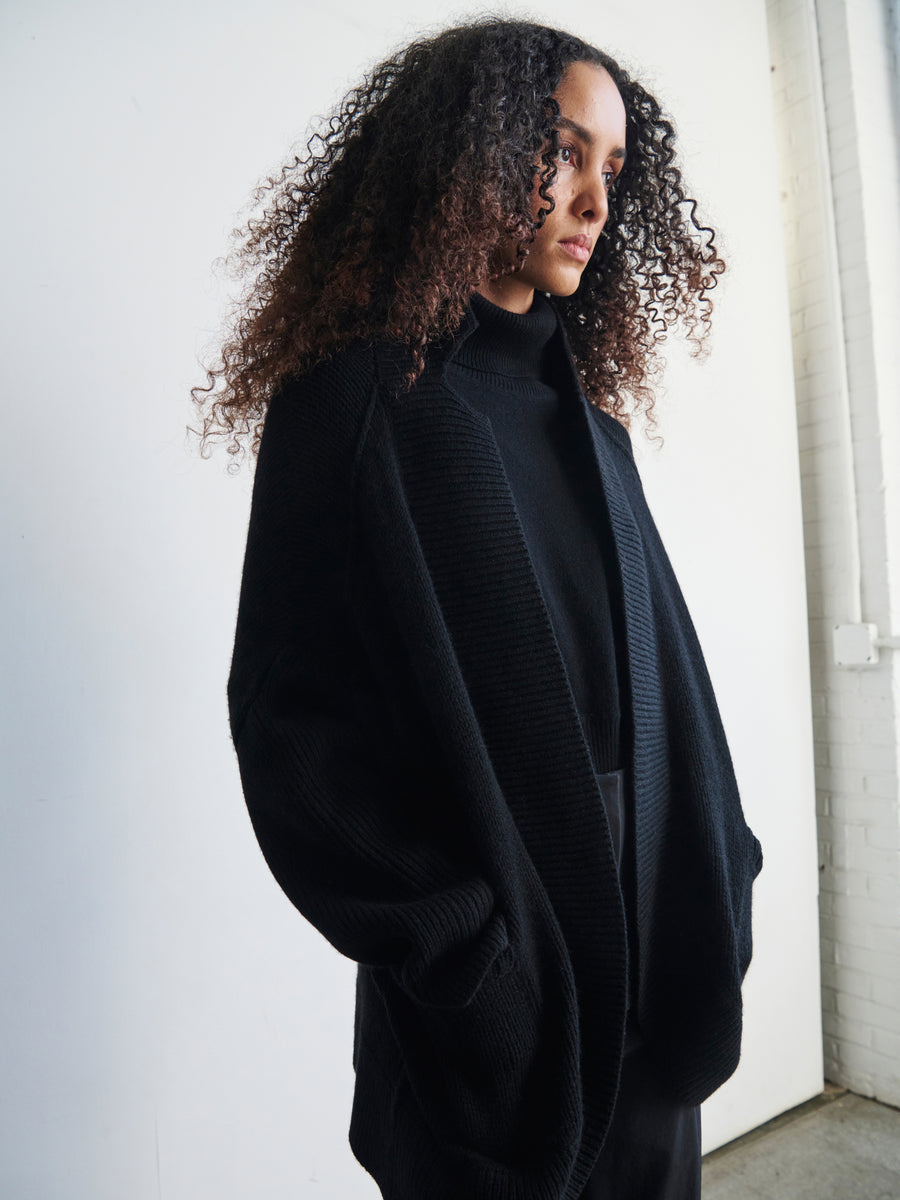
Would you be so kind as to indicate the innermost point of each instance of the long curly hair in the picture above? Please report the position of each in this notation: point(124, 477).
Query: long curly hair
point(403, 203)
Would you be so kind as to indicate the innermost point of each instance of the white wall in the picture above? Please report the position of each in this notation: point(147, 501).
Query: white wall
point(172, 1028)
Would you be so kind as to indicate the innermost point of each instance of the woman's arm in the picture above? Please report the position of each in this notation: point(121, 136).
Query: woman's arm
point(321, 794)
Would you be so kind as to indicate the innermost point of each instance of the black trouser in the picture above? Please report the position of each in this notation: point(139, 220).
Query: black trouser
point(652, 1149)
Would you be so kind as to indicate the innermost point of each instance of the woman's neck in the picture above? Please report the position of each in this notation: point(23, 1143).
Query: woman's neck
point(508, 343)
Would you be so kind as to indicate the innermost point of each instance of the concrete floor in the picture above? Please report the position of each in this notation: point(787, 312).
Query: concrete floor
point(837, 1146)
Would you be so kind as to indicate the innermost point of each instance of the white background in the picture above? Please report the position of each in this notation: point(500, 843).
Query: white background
point(171, 1027)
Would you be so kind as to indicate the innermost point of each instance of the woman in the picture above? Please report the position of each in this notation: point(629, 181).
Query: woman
point(477, 739)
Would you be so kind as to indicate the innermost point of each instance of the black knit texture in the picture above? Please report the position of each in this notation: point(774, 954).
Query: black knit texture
point(422, 788)
point(512, 369)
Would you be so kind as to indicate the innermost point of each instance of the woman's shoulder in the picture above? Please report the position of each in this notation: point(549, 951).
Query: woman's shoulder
point(320, 411)
point(349, 376)
point(338, 378)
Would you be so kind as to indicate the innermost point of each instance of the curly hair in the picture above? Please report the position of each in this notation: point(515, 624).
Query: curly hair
point(402, 205)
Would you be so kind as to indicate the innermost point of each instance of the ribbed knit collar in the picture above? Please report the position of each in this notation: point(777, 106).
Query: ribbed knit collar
point(507, 343)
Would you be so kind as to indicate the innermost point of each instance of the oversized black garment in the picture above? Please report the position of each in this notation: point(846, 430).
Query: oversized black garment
point(513, 370)
point(420, 783)
point(507, 370)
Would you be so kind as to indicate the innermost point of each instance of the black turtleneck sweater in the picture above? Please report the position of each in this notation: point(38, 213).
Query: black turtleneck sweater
point(511, 369)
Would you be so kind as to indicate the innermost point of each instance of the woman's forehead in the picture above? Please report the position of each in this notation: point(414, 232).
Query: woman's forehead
point(591, 105)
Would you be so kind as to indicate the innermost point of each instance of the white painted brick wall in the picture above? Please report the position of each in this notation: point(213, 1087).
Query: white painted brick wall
point(836, 96)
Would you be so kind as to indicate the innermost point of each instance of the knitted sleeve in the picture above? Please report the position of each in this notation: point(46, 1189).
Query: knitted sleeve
point(319, 796)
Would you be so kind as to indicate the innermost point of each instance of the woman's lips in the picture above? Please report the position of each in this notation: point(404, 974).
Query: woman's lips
point(579, 248)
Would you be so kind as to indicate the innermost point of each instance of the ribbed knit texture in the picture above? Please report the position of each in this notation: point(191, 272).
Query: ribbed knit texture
point(422, 788)
point(510, 369)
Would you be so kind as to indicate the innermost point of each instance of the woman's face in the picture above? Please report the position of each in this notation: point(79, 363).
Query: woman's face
point(592, 152)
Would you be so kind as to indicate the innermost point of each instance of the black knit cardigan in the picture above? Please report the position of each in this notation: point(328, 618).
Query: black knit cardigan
point(420, 785)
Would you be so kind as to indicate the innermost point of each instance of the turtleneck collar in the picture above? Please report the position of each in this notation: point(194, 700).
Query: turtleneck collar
point(507, 343)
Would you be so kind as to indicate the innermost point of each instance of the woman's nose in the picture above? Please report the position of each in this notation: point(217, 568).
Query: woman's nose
point(591, 203)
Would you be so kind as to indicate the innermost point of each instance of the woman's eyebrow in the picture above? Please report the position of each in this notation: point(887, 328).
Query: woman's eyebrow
point(586, 136)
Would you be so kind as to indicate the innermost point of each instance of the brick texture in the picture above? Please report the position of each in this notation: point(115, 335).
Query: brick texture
point(834, 79)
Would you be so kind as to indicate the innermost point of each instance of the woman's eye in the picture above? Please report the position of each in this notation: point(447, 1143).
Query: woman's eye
point(565, 155)
point(609, 179)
